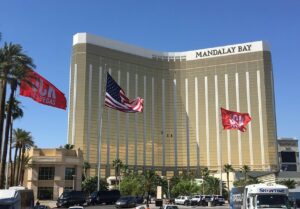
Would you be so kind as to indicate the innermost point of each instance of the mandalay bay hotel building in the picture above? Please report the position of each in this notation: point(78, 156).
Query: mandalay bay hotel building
point(180, 128)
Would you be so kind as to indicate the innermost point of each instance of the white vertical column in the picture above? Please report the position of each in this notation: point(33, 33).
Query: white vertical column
point(118, 121)
point(100, 111)
point(175, 122)
point(237, 92)
point(249, 125)
point(163, 124)
point(197, 122)
point(217, 121)
point(127, 117)
point(136, 124)
point(152, 119)
point(261, 126)
point(145, 121)
point(207, 121)
point(69, 105)
point(89, 119)
point(227, 107)
point(74, 104)
point(187, 123)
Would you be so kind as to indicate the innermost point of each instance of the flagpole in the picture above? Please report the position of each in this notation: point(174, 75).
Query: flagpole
point(101, 108)
point(221, 160)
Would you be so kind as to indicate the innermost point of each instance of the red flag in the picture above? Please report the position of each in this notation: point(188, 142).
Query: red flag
point(235, 120)
point(42, 91)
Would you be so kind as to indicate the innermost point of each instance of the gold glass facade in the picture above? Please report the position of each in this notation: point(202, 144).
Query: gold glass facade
point(180, 127)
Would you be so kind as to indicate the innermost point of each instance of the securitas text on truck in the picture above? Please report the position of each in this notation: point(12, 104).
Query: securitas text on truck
point(257, 196)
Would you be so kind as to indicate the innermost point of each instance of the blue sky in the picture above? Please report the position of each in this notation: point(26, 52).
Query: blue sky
point(45, 30)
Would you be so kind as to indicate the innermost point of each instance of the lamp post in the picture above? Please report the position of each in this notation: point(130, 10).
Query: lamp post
point(168, 189)
point(74, 176)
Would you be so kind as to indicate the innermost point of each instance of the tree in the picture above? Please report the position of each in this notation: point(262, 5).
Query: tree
point(245, 170)
point(90, 184)
point(68, 146)
point(227, 169)
point(17, 112)
point(14, 67)
point(23, 140)
point(150, 181)
point(185, 187)
point(290, 183)
point(86, 166)
point(131, 184)
point(26, 165)
point(117, 164)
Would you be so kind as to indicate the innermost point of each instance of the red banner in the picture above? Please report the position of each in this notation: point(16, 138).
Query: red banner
point(43, 91)
point(235, 120)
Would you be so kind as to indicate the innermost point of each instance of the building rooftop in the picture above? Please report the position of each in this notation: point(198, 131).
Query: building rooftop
point(85, 38)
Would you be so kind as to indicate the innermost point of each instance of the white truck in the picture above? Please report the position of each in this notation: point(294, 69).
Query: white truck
point(16, 198)
point(257, 196)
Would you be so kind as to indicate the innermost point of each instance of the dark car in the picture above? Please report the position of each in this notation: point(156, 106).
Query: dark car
point(41, 207)
point(70, 198)
point(218, 200)
point(107, 197)
point(139, 199)
point(126, 202)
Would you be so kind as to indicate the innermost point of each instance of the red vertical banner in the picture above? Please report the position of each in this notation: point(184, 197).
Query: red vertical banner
point(235, 120)
point(42, 91)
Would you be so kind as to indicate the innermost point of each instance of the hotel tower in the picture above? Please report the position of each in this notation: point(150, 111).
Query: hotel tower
point(180, 128)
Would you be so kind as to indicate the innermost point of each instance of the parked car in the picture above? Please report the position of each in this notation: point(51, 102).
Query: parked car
point(41, 207)
point(183, 200)
point(170, 207)
point(218, 200)
point(205, 199)
point(126, 202)
point(70, 198)
point(196, 200)
point(76, 207)
point(107, 197)
point(139, 199)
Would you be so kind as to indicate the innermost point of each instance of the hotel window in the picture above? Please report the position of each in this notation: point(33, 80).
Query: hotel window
point(46, 173)
point(69, 173)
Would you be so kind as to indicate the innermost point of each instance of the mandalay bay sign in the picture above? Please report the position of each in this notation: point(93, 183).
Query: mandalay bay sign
point(224, 51)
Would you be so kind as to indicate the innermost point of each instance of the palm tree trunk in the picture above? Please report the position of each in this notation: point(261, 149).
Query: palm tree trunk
point(13, 169)
point(228, 186)
point(19, 166)
point(7, 127)
point(10, 148)
point(2, 111)
point(22, 165)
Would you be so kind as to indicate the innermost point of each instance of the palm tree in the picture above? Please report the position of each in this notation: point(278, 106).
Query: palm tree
point(68, 146)
point(23, 140)
point(117, 164)
point(227, 169)
point(290, 183)
point(14, 67)
point(26, 165)
point(86, 166)
point(150, 181)
point(245, 169)
point(17, 112)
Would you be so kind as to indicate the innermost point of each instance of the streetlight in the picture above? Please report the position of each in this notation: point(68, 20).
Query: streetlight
point(168, 188)
point(74, 176)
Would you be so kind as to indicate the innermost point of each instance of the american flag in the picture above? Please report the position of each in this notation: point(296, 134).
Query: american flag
point(115, 98)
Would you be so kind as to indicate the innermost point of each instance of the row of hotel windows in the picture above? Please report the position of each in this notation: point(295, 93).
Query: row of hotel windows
point(47, 173)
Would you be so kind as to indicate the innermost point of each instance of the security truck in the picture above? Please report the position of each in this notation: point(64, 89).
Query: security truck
point(258, 196)
point(16, 198)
